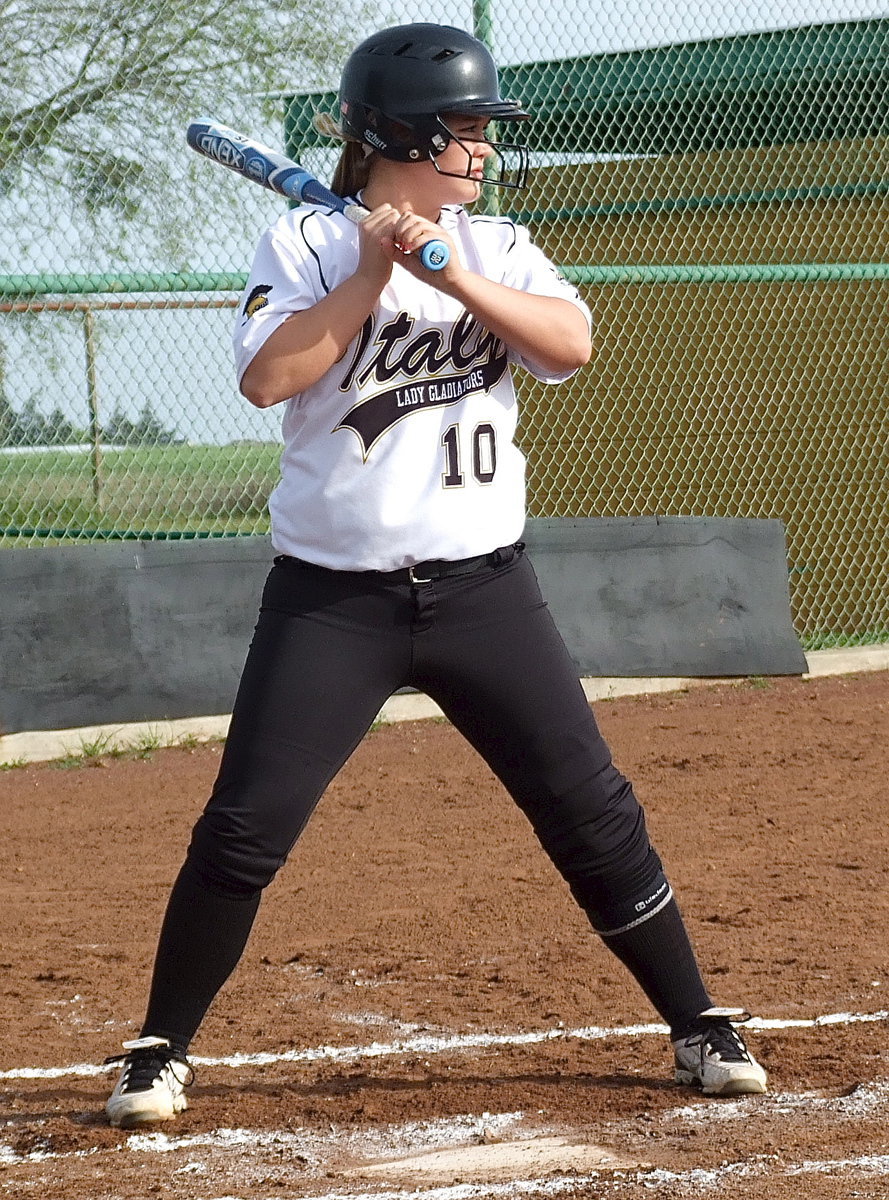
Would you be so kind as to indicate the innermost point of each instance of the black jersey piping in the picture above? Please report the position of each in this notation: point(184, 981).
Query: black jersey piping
point(328, 212)
point(497, 221)
point(314, 253)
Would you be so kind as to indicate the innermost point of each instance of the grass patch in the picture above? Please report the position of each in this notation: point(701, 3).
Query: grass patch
point(144, 490)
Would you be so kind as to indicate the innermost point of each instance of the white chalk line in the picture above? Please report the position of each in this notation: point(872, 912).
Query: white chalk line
point(429, 1044)
point(313, 1147)
point(865, 1100)
point(394, 1142)
point(701, 1178)
point(372, 1144)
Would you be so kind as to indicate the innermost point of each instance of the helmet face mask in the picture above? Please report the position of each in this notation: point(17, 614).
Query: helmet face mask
point(400, 85)
point(506, 167)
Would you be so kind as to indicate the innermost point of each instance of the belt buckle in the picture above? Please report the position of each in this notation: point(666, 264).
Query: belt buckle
point(416, 578)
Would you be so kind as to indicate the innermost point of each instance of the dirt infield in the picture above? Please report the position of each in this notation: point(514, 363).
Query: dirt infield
point(419, 979)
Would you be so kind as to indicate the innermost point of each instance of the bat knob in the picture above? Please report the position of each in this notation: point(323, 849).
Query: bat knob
point(434, 255)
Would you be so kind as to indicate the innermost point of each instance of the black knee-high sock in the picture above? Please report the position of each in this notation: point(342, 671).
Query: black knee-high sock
point(660, 956)
point(202, 938)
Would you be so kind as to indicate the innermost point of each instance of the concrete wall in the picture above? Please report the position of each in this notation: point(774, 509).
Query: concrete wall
point(158, 630)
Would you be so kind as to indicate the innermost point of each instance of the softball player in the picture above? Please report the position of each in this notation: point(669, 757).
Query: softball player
point(397, 527)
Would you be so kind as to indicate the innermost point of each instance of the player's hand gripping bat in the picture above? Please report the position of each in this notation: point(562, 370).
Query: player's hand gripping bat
point(281, 174)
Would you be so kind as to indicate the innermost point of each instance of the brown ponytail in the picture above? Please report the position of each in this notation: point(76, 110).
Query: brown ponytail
point(352, 171)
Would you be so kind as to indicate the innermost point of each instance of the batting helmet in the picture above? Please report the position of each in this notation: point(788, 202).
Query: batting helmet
point(399, 84)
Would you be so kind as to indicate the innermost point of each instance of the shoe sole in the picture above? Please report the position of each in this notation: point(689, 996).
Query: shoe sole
point(135, 1117)
point(731, 1087)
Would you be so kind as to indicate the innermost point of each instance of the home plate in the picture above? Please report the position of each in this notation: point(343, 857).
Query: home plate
point(500, 1162)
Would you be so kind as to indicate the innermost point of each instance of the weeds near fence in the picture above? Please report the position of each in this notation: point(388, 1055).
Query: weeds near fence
point(109, 746)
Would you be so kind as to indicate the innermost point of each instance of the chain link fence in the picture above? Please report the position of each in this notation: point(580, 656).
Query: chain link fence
point(717, 187)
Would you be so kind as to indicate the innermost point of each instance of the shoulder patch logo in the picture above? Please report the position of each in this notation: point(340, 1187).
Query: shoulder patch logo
point(257, 299)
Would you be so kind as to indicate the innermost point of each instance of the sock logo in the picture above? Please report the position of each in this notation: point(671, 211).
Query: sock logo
point(647, 903)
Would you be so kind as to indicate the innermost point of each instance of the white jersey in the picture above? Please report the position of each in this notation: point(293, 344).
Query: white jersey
point(403, 451)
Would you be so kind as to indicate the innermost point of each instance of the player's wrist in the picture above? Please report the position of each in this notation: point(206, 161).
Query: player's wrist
point(456, 281)
point(367, 284)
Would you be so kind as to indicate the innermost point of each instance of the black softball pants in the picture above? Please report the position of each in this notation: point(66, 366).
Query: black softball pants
point(329, 648)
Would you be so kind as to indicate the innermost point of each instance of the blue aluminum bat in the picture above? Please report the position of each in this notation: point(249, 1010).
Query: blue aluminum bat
point(281, 174)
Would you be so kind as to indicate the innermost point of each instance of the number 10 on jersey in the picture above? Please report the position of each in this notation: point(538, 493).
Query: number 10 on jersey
point(483, 454)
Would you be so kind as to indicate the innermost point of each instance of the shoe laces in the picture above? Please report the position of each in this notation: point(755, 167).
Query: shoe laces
point(144, 1066)
point(717, 1035)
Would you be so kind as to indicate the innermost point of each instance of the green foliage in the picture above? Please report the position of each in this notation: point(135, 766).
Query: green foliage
point(33, 428)
point(30, 427)
point(90, 93)
point(146, 431)
point(8, 422)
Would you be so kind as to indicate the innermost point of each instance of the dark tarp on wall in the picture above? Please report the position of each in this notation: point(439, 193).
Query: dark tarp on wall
point(146, 631)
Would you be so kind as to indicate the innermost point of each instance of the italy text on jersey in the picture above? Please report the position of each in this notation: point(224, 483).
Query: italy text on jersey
point(441, 370)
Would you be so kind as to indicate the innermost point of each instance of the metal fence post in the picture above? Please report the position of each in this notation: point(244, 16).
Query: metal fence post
point(92, 391)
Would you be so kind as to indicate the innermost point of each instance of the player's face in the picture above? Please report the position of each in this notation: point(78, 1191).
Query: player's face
point(465, 156)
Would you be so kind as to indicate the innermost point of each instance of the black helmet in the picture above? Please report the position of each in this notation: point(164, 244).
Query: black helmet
point(399, 83)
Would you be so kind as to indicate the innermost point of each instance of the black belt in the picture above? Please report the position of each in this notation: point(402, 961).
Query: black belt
point(440, 568)
point(428, 572)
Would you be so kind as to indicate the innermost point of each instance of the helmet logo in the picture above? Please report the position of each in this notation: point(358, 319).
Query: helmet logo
point(374, 139)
